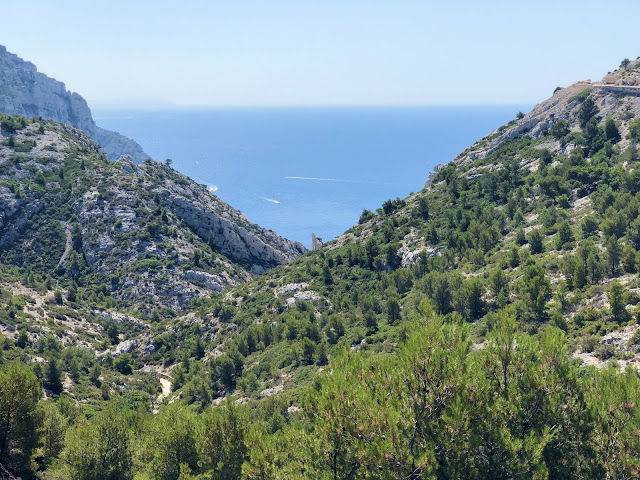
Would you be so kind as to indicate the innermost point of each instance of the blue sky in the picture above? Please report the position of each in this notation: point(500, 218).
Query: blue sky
point(297, 52)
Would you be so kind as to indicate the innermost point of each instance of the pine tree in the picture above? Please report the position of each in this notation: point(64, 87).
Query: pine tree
point(94, 374)
point(52, 430)
point(170, 447)
point(221, 440)
point(100, 448)
point(589, 226)
point(20, 391)
point(616, 296)
point(535, 242)
point(587, 110)
point(423, 208)
point(613, 254)
point(22, 340)
point(321, 354)
point(393, 311)
point(611, 130)
point(564, 235)
point(371, 321)
point(326, 275)
point(52, 376)
point(514, 256)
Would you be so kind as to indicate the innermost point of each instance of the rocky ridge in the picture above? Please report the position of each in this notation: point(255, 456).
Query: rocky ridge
point(26, 92)
point(616, 96)
point(153, 236)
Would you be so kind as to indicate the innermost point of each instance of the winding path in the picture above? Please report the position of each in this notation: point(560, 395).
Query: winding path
point(628, 89)
point(166, 391)
point(67, 248)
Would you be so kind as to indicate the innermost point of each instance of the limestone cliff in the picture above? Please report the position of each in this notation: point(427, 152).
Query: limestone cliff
point(26, 92)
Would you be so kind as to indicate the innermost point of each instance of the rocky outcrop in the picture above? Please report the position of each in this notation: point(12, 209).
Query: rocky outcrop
point(17, 205)
point(433, 173)
point(626, 75)
point(260, 250)
point(115, 145)
point(26, 92)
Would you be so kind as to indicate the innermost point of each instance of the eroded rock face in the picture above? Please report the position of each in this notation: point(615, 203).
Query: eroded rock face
point(115, 221)
point(26, 92)
point(231, 239)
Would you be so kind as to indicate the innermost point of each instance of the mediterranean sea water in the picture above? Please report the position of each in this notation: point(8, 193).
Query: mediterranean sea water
point(303, 170)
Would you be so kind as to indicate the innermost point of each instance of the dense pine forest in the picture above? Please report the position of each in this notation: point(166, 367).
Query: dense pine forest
point(485, 327)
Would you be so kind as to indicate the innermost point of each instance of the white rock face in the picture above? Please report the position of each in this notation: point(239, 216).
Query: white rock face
point(229, 230)
point(291, 288)
point(433, 173)
point(307, 295)
point(26, 92)
point(208, 280)
point(126, 346)
point(268, 392)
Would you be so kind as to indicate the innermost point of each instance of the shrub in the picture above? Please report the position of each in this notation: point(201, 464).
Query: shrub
point(563, 201)
point(123, 364)
point(365, 216)
point(589, 343)
point(605, 351)
point(580, 96)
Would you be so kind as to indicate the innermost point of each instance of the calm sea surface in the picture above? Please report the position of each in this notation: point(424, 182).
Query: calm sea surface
point(303, 170)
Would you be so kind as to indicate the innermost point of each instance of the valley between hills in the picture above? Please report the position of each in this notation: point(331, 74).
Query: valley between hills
point(484, 327)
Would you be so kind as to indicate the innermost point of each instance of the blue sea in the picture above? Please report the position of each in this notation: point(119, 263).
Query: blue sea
point(303, 170)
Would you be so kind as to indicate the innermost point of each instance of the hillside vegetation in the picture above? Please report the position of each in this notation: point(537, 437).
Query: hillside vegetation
point(485, 327)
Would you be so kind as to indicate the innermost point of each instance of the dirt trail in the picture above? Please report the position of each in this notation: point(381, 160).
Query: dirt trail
point(612, 87)
point(67, 248)
point(23, 290)
point(166, 391)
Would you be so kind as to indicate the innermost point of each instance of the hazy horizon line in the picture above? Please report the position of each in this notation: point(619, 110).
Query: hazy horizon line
point(162, 107)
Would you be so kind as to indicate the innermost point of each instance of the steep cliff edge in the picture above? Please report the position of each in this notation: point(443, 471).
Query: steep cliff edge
point(26, 92)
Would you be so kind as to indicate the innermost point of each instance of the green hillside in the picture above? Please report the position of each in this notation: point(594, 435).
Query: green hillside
point(485, 327)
